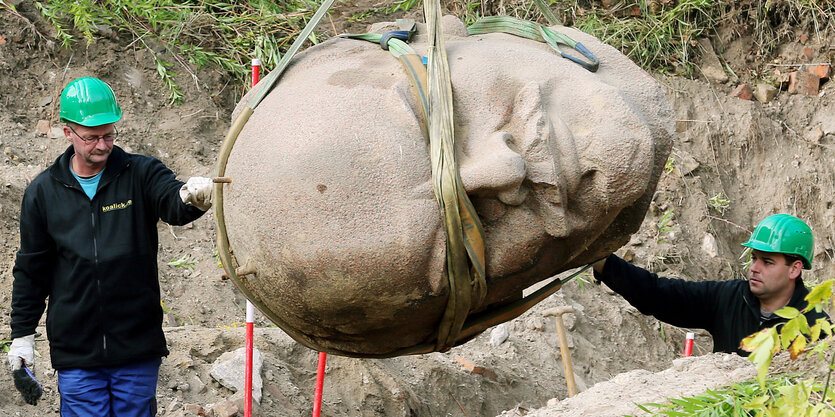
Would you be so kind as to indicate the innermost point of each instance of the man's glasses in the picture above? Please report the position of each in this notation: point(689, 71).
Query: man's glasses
point(108, 138)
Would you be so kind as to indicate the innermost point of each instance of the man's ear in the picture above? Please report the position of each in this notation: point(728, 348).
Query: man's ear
point(795, 269)
point(67, 132)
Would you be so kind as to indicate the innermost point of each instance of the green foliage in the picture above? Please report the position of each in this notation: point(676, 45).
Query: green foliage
point(5, 344)
point(583, 279)
point(719, 203)
point(670, 165)
point(745, 260)
point(225, 35)
point(661, 35)
point(741, 399)
point(184, 262)
point(666, 224)
point(404, 5)
point(656, 35)
point(780, 396)
point(792, 336)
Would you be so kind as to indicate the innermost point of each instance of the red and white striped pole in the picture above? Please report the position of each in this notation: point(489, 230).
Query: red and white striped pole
point(688, 344)
point(320, 382)
point(250, 309)
point(250, 312)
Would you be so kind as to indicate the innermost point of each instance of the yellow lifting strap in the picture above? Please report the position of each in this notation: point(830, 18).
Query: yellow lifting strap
point(465, 237)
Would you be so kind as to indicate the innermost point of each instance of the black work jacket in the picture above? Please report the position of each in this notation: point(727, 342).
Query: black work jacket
point(96, 260)
point(726, 309)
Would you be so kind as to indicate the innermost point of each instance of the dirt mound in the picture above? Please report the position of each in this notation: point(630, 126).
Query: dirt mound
point(619, 395)
point(762, 157)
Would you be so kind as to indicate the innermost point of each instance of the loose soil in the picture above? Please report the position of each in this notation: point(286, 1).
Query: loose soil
point(763, 157)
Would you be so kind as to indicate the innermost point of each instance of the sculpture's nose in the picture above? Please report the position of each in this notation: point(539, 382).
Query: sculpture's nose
point(491, 168)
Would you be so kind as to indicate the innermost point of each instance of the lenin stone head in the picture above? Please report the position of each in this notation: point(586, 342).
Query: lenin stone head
point(332, 202)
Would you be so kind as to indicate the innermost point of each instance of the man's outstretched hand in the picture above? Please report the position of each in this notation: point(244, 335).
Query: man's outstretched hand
point(197, 191)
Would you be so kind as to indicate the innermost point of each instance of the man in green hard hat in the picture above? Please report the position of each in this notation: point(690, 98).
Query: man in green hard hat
point(781, 247)
point(88, 243)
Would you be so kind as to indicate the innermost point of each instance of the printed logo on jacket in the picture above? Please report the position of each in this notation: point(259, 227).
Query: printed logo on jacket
point(117, 206)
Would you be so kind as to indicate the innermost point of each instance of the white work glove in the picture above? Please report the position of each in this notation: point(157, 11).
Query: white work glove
point(22, 350)
point(197, 191)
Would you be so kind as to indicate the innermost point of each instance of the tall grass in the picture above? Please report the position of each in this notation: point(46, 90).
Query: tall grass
point(184, 35)
point(659, 35)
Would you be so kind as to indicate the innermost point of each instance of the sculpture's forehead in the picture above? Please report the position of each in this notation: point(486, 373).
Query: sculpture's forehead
point(471, 60)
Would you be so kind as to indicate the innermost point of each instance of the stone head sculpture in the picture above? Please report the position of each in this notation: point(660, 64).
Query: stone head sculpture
point(332, 207)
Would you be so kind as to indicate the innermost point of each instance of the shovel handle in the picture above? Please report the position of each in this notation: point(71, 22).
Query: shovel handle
point(222, 180)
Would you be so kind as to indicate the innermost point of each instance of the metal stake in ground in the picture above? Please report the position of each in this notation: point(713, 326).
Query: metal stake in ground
point(568, 367)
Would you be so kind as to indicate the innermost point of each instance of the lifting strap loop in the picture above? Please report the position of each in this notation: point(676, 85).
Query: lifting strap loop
point(537, 32)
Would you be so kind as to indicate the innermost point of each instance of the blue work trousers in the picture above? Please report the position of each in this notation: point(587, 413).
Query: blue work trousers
point(119, 391)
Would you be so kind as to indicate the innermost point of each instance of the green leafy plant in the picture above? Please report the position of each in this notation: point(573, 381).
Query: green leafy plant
point(782, 395)
point(5, 344)
point(794, 335)
point(745, 260)
point(217, 258)
point(583, 279)
point(670, 165)
point(404, 5)
point(665, 225)
point(719, 203)
point(734, 400)
point(188, 35)
point(184, 262)
point(657, 35)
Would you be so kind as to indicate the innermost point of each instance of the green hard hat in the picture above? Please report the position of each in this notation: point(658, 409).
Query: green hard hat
point(89, 102)
point(782, 233)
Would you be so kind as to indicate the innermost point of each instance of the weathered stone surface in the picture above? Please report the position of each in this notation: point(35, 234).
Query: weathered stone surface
point(197, 385)
point(802, 82)
point(765, 92)
point(43, 127)
point(709, 63)
point(499, 334)
point(709, 245)
point(224, 408)
point(332, 201)
point(823, 71)
point(229, 371)
point(685, 162)
point(814, 135)
point(743, 91)
point(195, 409)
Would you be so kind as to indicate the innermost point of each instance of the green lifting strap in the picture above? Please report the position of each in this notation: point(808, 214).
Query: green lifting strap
point(537, 32)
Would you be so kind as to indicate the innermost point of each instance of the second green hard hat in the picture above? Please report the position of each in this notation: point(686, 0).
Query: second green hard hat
point(786, 234)
point(89, 101)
